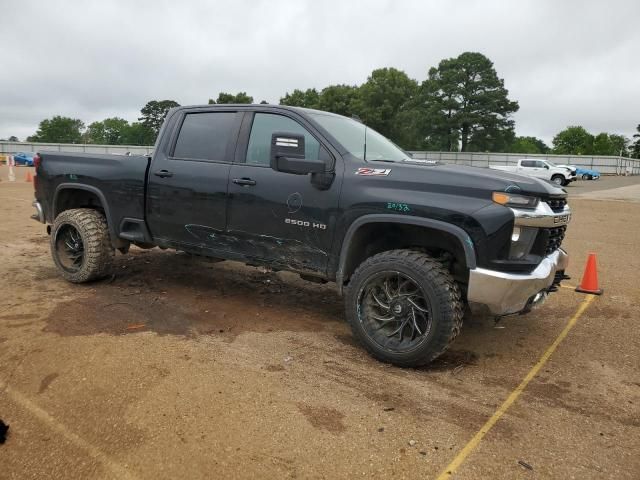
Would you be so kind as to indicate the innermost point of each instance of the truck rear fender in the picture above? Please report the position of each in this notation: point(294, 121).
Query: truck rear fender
point(371, 234)
point(74, 195)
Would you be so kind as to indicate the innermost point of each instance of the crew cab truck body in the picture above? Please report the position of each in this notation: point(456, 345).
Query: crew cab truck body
point(559, 174)
point(409, 244)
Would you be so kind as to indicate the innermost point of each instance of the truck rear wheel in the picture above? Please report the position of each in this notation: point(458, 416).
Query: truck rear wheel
point(404, 307)
point(80, 245)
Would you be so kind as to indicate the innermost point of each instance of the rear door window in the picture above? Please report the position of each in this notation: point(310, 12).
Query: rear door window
point(205, 136)
point(528, 163)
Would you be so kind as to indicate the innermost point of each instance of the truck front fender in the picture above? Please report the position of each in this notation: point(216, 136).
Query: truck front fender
point(463, 237)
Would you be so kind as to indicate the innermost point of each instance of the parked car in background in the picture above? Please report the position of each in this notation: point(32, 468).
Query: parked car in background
point(560, 175)
point(24, 158)
point(587, 174)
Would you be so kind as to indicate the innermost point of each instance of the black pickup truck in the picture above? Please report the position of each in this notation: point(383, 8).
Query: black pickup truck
point(411, 244)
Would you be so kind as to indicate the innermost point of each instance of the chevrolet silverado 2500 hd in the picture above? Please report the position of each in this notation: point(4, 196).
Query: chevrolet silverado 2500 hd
point(409, 244)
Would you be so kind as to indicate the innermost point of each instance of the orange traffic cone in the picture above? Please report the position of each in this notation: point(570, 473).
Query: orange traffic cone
point(589, 282)
point(28, 177)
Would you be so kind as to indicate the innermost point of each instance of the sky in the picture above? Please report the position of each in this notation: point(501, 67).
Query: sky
point(565, 62)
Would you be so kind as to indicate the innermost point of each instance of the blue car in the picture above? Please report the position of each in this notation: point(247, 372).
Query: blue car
point(23, 158)
point(587, 174)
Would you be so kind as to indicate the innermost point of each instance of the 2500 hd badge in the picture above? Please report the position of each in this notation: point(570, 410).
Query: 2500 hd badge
point(305, 223)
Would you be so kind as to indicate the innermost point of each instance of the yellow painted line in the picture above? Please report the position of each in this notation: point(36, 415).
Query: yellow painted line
point(568, 286)
point(477, 438)
point(117, 470)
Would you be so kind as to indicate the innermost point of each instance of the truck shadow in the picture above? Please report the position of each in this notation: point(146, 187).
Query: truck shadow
point(172, 294)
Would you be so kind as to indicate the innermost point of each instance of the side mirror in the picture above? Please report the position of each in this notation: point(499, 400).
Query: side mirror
point(546, 166)
point(287, 155)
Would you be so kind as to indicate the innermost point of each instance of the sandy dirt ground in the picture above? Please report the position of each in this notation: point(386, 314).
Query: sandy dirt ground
point(181, 368)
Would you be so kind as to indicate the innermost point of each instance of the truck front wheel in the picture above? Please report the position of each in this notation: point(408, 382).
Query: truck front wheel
point(559, 180)
point(80, 245)
point(404, 307)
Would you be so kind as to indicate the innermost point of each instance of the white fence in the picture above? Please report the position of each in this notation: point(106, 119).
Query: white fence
point(605, 165)
point(15, 147)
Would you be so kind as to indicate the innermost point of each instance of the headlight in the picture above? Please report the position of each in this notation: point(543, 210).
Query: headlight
point(515, 201)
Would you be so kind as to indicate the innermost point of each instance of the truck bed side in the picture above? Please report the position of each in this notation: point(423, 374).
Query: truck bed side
point(112, 183)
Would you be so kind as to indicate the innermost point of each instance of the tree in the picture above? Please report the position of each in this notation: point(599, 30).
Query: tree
point(138, 134)
point(384, 100)
point(340, 99)
point(528, 145)
point(226, 98)
point(153, 114)
point(634, 150)
point(463, 100)
point(610, 144)
point(58, 130)
point(574, 140)
point(298, 98)
point(110, 131)
point(13, 138)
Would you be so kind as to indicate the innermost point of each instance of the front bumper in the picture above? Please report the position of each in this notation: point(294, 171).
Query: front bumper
point(506, 293)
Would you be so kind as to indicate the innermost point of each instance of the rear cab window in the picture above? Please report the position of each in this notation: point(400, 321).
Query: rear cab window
point(205, 136)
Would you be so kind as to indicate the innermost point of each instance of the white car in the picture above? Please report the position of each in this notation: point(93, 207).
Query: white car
point(558, 174)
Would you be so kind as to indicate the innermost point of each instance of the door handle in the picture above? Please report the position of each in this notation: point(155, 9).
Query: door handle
point(245, 182)
point(163, 173)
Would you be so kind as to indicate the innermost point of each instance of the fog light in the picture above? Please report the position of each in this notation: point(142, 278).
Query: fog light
point(515, 236)
point(522, 239)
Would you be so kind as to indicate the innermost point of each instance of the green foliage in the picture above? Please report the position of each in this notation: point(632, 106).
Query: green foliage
point(13, 138)
point(227, 98)
point(609, 144)
point(384, 103)
point(340, 99)
point(308, 98)
point(574, 140)
point(153, 114)
point(138, 134)
point(110, 131)
point(528, 145)
point(58, 130)
point(463, 100)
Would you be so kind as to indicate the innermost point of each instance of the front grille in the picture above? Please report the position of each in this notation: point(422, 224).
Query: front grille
point(557, 204)
point(554, 238)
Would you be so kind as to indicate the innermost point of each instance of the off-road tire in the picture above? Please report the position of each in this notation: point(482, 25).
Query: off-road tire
point(98, 251)
point(447, 308)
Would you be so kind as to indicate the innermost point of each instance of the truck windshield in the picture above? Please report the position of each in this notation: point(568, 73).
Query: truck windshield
point(360, 140)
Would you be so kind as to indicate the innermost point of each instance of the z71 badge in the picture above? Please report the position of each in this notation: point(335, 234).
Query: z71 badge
point(373, 172)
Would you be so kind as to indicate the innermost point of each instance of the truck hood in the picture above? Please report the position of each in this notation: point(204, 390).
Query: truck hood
point(472, 181)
